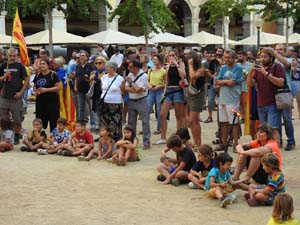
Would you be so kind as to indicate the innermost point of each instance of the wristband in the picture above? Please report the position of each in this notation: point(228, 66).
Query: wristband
point(267, 74)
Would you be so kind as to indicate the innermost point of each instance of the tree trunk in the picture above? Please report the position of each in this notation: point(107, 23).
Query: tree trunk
point(50, 25)
point(223, 33)
point(287, 27)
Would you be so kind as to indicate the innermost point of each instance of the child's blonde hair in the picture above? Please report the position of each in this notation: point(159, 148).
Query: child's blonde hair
point(37, 120)
point(270, 160)
point(283, 208)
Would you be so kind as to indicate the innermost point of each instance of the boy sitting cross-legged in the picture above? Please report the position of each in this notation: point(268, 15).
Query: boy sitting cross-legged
point(37, 138)
point(58, 138)
point(82, 142)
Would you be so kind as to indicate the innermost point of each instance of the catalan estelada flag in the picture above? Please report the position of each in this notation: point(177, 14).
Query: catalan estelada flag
point(19, 38)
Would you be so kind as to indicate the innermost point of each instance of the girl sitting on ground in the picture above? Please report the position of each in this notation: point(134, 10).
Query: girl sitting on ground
point(7, 139)
point(106, 148)
point(127, 148)
point(200, 170)
point(219, 183)
point(283, 211)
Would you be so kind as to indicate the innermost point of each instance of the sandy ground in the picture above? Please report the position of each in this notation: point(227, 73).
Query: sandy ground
point(55, 190)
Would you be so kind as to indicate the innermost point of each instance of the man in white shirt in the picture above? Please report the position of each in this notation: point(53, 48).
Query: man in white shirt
point(117, 57)
point(137, 88)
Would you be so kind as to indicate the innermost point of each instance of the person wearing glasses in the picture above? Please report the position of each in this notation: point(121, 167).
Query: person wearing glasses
point(14, 82)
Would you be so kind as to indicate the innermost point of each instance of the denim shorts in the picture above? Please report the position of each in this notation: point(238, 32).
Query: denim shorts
point(271, 197)
point(271, 115)
point(175, 96)
point(295, 87)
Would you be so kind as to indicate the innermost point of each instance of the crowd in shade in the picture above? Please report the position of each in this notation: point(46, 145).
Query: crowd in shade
point(114, 90)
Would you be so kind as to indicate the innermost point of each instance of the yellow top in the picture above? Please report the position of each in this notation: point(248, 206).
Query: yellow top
point(289, 222)
point(157, 77)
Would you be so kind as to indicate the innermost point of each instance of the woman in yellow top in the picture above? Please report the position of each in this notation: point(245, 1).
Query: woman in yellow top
point(283, 210)
point(156, 77)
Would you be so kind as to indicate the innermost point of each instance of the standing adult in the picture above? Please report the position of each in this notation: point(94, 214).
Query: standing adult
point(2, 56)
point(101, 51)
point(267, 75)
point(196, 96)
point(73, 59)
point(137, 88)
point(229, 81)
point(82, 85)
point(295, 72)
point(14, 82)
point(286, 113)
point(246, 66)
point(113, 89)
point(46, 87)
point(156, 77)
point(117, 57)
point(173, 94)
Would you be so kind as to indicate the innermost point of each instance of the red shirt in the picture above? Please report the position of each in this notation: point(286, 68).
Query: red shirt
point(86, 137)
point(271, 144)
point(265, 89)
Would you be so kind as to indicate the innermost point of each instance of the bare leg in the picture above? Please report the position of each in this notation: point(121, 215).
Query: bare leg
point(178, 114)
point(224, 132)
point(240, 165)
point(182, 175)
point(276, 136)
point(235, 134)
point(163, 170)
point(195, 127)
point(253, 167)
point(163, 118)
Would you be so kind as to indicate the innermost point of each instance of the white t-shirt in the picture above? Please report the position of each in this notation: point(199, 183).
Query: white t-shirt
point(114, 94)
point(117, 58)
point(141, 82)
point(9, 135)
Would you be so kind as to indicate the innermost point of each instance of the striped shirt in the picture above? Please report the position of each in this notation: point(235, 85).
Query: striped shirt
point(276, 183)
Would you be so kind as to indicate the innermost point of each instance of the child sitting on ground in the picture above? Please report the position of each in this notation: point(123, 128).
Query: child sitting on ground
point(283, 211)
point(106, 147)
point(200, 170)
point(7, 139)
point(185, 160)
point(82, 142)
point(127, 148)
point(184, 134)
point(219, 183)
point(37, 138)
point(58, 138)
point(264, 195)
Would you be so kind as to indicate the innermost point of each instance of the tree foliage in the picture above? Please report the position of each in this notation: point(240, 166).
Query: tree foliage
point(152, 14)
point(40, 7)
point(218, 9)
point(275, 9)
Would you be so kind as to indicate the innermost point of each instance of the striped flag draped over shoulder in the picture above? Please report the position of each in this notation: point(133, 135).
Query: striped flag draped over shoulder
point(19, 38)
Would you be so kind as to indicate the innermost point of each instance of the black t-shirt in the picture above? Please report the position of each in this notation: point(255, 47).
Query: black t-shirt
point(173, 76)
point(83, 81)
point(187, 156)
point(213, 67)
point(15, 83)
point(46, 81)
point(199, 167)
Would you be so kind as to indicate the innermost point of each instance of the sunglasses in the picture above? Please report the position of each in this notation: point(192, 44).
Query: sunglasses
point(98, 63)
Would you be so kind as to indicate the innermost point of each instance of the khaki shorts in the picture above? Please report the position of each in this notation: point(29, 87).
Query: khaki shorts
point(212, 192)
point(226, 114)
point(13, 106)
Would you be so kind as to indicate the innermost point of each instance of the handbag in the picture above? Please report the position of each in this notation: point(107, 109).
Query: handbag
point(193, 90)
point(283, 96)
point(90, 92)
point(101, 101)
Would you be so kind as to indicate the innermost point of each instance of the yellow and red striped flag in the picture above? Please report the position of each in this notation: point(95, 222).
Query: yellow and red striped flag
point(19, 38)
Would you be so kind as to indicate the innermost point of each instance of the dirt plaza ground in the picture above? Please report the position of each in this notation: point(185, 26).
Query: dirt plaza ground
point(55, 190)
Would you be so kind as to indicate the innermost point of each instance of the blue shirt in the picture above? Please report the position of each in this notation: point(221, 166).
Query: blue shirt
point(246, 69)
point(228, 94)
point(59, 137)
point(219, 178)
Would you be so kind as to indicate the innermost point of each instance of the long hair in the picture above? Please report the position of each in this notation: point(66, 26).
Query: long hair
point(133, 135)
point(196, 60)
point(283, 208)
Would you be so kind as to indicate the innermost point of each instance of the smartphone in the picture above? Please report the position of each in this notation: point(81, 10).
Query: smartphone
point(257, 64)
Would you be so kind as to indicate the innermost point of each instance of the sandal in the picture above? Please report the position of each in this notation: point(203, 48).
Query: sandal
point(156, 132)
point(208, 120)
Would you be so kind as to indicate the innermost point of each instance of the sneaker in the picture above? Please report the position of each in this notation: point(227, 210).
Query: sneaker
point(160, 142)
point(219, 148)
point(225, 201)
point(289, 147)
point(24, 149)
point(41, 151)
point(175, 182)
point(161, 178)
point(192, 185)
point(17, 139)
point(82, 158)
point(232, 197)
point(67, 153)
point(110, 160)
point(208, 120)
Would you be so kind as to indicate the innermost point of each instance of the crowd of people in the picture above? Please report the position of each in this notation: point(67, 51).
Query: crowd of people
point(113, 90)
